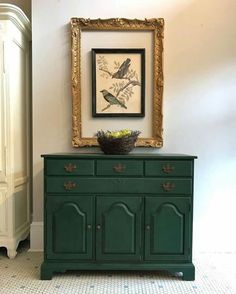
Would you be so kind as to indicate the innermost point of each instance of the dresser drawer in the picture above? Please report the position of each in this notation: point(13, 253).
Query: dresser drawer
point(119, 168)
point(118, 185)
point(168, 168)
point(69, 167)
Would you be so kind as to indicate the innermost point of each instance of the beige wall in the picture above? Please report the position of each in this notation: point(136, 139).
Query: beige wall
point(25, 5)
point(199, 95)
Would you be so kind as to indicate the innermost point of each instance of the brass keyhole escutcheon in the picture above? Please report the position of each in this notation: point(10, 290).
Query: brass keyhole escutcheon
point(70, 167)
point(69, 185)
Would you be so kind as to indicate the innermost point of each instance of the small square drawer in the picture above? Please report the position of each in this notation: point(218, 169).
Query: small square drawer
point(70, 167)
point(119, 168)
point(168, 168)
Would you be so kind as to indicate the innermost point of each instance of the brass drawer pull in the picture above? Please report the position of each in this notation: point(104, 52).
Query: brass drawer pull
point(168, 186)
point(119, 168)
point(168, 168)
point(69, 185)
point(148, 227)
point(70, 167)
point(98, 227)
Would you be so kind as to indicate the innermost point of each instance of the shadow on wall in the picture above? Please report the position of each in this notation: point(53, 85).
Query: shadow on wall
point(39, 191)
point(200, 109)
point(204, 36)
point(200, 65)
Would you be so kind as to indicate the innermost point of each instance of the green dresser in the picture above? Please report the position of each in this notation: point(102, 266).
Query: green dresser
point(118, 212)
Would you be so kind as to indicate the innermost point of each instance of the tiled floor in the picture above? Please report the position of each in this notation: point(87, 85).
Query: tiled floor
point(215, 274)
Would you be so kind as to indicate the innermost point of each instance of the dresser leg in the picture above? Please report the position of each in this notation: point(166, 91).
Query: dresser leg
point(189, 274)
point(11, 253)
point(46, 273)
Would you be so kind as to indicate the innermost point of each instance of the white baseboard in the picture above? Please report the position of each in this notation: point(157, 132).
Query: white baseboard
point(36, 236)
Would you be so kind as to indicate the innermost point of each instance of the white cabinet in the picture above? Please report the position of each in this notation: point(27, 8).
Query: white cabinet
point(15, 132)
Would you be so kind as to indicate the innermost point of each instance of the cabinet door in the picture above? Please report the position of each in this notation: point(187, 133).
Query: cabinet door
point(69, 227)
point(167, 228)
point(118, 228)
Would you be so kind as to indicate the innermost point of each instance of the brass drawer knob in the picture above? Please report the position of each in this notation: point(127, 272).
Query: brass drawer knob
point(168, 168)
point(69, 185)
point(168, 186)
point(148, 227)
point(89, 227)
point(70, 167)
point(119, 168)
point(98, 227)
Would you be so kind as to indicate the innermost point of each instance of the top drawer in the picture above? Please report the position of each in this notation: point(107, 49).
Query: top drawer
point(70, 167)
point(120, 167)
point(168, 168)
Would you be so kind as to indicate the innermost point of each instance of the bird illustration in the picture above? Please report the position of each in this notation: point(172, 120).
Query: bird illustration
point(112, 100)
point(123, 69)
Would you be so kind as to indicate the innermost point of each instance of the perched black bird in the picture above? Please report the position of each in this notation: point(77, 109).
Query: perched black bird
point(122, 71)
point(112, 99)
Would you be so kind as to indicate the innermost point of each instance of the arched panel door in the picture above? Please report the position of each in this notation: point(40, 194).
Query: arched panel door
point(118, 228)
point(167, 225)
point(69, 227)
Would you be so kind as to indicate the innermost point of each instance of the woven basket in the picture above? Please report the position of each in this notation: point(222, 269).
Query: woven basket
point(121, 145)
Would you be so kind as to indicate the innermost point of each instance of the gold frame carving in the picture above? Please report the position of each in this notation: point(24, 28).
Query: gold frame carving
point(118, 24)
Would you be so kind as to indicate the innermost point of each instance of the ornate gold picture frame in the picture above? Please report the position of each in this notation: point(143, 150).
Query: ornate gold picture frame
point(156, 26)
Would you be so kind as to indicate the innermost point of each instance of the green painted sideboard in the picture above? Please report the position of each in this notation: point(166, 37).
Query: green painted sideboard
point(118, 212)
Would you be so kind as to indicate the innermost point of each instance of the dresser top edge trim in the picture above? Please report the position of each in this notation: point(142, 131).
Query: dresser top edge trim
point(129, 156)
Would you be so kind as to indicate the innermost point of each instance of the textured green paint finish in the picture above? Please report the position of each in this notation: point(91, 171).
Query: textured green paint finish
point(119, 233)
point(168, 220)
point(136, 156)
point(119, 185)
point(70, 167)
point(118, 212)
point(119, 167)
point(169, 168)
point(69, 235)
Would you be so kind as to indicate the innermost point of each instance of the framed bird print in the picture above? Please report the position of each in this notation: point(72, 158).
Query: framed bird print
point(117, 78)
point(118, 82)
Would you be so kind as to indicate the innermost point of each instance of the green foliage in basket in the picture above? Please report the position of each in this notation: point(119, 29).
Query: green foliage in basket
point(117, 134)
